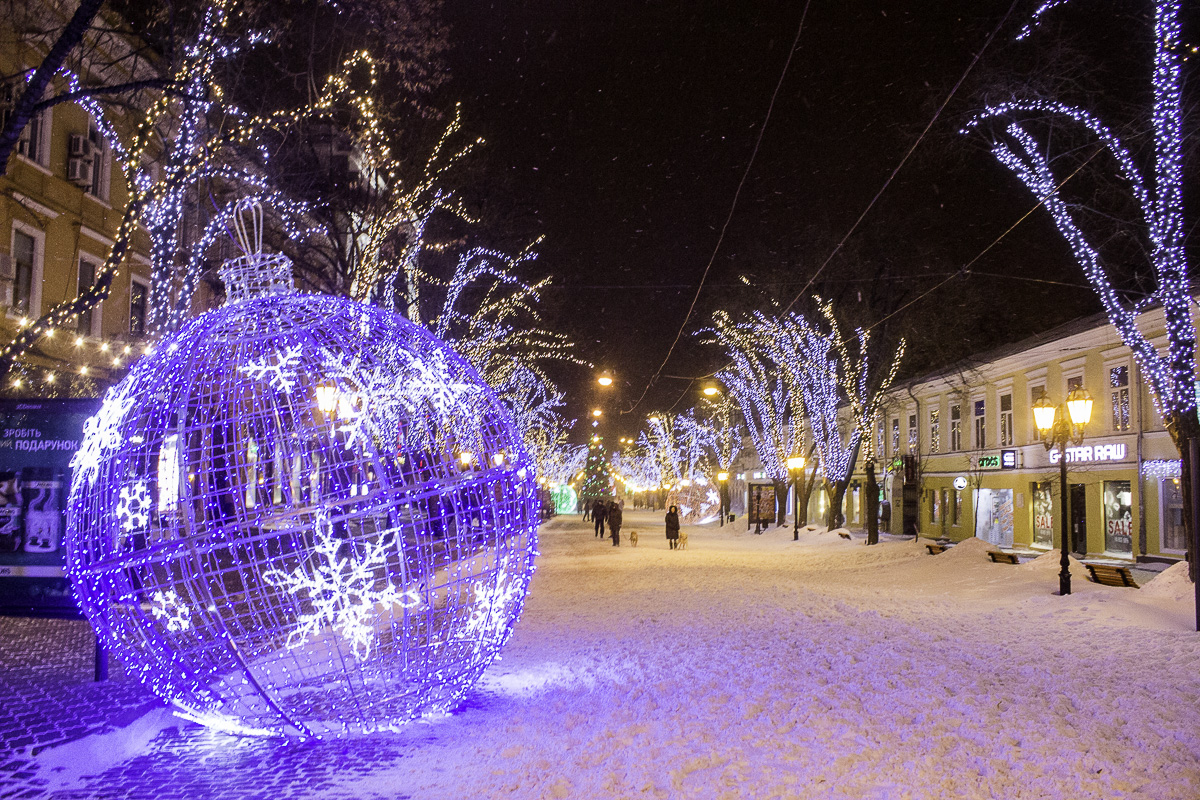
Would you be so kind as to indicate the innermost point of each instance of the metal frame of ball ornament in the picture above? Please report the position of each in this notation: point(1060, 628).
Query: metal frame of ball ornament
point(302, 516)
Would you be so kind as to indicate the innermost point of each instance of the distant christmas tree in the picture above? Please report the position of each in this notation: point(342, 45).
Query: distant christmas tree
point(597, 474)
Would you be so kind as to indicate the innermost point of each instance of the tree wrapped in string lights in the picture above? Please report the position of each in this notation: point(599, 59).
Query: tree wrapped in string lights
point(830, 374)
point(677, 446)
point(1017, 144)
point(771, 409)
point(302, 516)
point(186, 139)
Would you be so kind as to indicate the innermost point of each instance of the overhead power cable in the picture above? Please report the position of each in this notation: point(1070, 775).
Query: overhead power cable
point(732, 206)
point(903, 161)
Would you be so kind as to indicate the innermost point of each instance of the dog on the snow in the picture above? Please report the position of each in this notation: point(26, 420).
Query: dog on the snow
point(633, 538)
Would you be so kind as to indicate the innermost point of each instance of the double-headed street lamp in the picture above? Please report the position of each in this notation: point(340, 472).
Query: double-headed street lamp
point(795, 465)
point(1062, 425)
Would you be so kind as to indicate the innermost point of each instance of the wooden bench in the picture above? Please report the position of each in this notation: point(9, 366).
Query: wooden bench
point(1003, 558)
point(1111, 575)
point(934, 549)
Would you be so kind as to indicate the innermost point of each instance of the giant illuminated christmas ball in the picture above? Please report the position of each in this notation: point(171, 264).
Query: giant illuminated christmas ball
point(302, 515)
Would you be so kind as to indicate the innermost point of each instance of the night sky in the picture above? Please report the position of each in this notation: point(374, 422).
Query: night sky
point(620, 131)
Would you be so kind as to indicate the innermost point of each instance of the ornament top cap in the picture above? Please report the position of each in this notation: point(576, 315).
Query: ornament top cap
point(255, 273)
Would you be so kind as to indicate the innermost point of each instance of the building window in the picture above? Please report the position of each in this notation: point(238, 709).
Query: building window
point(1006, 420)
point(100, 165)
point(955, 507)
point(1036, 393)
point(1074, 383)
point(895, 437)
point(955, 428)
point(34, 141)
point(1118, 517)
point(85, 325)
point(980, 426)
point(1174, 536)
point(912, 433)
point(1043, 515)
point(1118, 383)
point(24, 258)
point(879, 443)
point(935, 506)
point(138, 293)
point(935, 433)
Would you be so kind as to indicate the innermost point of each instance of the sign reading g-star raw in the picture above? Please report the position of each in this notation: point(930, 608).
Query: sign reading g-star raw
point(1091, 453)
point(37, 440)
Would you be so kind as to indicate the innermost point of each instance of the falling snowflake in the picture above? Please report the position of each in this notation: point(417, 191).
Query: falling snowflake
point(133, 507)
point(169, 607)
point(343, 591)
point(281, 375)
point(102, 434)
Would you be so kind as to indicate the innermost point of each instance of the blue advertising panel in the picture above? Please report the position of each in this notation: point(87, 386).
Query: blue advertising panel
point(38, 438)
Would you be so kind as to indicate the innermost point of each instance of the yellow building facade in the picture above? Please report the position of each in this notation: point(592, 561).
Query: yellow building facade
point(964, 457)
point(63, 198)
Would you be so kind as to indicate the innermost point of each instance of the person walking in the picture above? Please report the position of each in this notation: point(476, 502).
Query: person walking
point(587, 510)
point(599, 513)
point(615, 515)
point(673, 528)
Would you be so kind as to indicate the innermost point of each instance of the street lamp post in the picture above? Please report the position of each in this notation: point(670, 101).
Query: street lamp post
point(722, 480)
point(795, 465)
point(1062, 425)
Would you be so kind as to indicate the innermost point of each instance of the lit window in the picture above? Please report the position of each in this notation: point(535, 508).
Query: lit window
point(980, 426)
point(1118, 382)
point(955, 428)
point(1006, 420)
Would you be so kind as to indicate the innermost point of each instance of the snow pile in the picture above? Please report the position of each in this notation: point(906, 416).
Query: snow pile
point(1171, 584)
point(973, 549)
point(1051, 562)
point(69, 764)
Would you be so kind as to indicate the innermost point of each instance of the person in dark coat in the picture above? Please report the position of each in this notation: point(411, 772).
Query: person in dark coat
point(587, 510)
point(673, 527)
point(599, 513)
point(615, 514)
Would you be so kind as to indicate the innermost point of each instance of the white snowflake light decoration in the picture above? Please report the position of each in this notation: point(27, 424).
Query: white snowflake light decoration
point(279, 372)
point(133, 506)
point(169, 608)
point(346, 592)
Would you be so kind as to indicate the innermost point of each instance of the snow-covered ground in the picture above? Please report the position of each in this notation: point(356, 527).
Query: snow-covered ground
point(757, 667)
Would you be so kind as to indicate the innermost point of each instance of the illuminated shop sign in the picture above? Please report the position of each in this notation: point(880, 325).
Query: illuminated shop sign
point(1089, 453)
point(1005, 459)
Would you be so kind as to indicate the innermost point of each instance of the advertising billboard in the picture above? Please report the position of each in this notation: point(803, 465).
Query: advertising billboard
point(38, 438)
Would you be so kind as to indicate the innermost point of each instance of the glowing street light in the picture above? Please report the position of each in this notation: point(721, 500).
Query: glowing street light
point(605, 378)
point(1059, 426)
point(327, 398)
point(597, 413)
point(795, 465)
